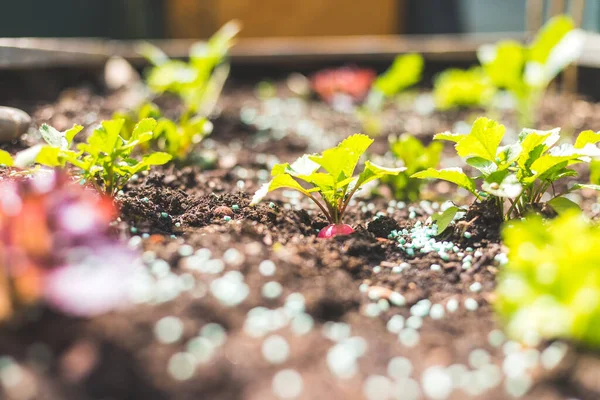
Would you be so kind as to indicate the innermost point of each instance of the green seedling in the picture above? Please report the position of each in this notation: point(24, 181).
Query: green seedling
point(105, 160)
point(415, 157)
point(330, 175)
point(516, 176)
point(198, 82)
point(527, 70)
point(175, 138)
point(457, 88)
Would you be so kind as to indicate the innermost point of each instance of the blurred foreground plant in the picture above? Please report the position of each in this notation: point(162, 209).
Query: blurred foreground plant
point(55, 247)
point(550, 287)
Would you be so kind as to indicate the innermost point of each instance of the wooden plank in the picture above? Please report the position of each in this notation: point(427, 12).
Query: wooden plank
point(269, 18)
point(268, 50)
point(190, 18)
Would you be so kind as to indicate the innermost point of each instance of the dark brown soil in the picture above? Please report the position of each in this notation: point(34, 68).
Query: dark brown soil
point(118, 356)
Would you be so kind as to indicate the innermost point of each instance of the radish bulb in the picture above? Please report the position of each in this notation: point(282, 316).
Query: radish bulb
point(335, 229)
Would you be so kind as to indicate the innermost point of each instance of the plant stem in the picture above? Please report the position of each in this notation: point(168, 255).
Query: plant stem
point(327, 215)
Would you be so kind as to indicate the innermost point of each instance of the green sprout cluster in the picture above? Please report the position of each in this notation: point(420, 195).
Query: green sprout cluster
point(550, 287)
point(516, 176)
point(199, 81)
point(329, 175)
point(525, 71)
point(454, 88)
point(415, 157)
point(177, 138)
point(105, 160)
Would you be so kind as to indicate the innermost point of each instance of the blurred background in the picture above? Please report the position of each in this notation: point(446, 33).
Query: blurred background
point(134, 19)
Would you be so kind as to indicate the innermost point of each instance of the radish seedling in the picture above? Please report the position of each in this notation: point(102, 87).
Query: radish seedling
point(516, 176)
point(105, 160)
point(198, 82)
point(415, 156)
point(330, 175)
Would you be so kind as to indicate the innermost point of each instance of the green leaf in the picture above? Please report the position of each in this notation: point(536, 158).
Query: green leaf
point(143, 130)
point(534, 143)
point(454, 175)
point(404, 72)
point(585, 186)
point(486, 167)
point(279, 181)
point(71, 133)
point(152, 53)
point(302, 167)
point(562, 205)
point(5, 158)
point(157, 158)
point(106, 137)
point(449, 136)
point(26, 157)
point(52, 136)
point(55, 138)
point(549, 37)
point(507, 155)
point(462, 88)
point(587, 137)
point(49, 156)
point(504, 63)
point(373, 171)
point(482, 141)
point(445, 218)
point(413, 154)
point(546, 163)
point(341, 160)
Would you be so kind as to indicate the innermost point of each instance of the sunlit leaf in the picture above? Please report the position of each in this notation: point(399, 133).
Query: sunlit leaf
point(5, 158)
point(454, 175)
point(482, 141)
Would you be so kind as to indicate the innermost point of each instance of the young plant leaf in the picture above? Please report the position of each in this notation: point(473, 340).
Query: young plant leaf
point(336, 185)
point(585, 138)
point(482, 141)
point(5, 158)
point(404, 72)
point(449, 136)
point(562, 205)
point(445, 218)
point(341, 160)
point(454, 175)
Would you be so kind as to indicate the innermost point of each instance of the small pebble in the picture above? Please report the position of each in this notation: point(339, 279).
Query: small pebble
point(272, 290)
point(266, 268)
point(13, 123)
point(475, 287)
point(452, 305)
point(168, 330)
point(471, 304)
point(275, 349)
point(182, 366)
point(287, 384)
